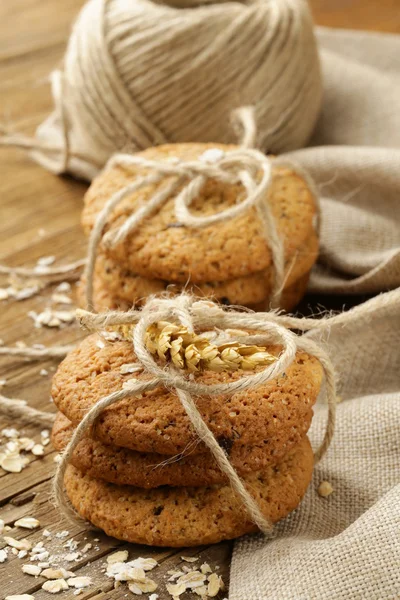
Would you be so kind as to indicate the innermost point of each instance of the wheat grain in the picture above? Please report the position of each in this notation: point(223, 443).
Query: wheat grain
point(186, 350)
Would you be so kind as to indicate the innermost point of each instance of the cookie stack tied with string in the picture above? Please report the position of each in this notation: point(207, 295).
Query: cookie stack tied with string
point(224, 222)
point(185, 424)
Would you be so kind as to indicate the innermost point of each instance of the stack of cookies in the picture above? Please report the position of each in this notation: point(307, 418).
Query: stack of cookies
point(143, 475)
point(229, 261)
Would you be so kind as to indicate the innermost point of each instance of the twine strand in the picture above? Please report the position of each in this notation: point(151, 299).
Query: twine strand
point(53, 274)
point(33, 353)
point(19, 410)
point(223, 462)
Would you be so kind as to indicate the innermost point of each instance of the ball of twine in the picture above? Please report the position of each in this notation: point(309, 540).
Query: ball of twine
point(145, 72)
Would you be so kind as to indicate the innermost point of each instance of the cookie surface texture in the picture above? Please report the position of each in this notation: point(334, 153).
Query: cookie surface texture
point(116, 287)
point(162, 249)
point(148, 470)
point(188, 516)
point(279, 411)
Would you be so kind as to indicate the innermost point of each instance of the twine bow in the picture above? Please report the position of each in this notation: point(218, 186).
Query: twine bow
point(201, 315)
point(245, 166)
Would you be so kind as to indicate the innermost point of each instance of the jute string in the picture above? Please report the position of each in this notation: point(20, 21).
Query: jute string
point(18, 410)
point(51, 274)
point(202, 315)
point(130, 67)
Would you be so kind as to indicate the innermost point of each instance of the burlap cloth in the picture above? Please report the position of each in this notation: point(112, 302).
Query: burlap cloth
point(347, 546)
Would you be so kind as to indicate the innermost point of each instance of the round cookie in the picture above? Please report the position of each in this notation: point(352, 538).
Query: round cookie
point(162, 249)
point(188, 516)
point(121, 286)
point(279, 410)
point(148, 470)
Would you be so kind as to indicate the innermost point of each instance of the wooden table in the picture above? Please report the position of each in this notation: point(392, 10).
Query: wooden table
point(40, 216)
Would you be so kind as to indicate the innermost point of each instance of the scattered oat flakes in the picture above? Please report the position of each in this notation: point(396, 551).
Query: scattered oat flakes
point(26, 292)
point(51, 318)
point(140, 587)
point(12, 447)
point(43, 372)
point(147, 564)
point(3, 555)
point(148, 585)
point(72, 556)
point(18, 544)
point(9, 432)
point(190, 559)
point(79, 582)
point(86, 548)
point(125, 572)
point(46, 261)
point(176, 589)
point(205, 568)
point(130, 368)
point(111, 336)
point(58, 573)
point(174, 575)
point(129, 383)
point(20, 597)
point(11, 463)
point(27, 523)
point(215, 584)
point(55, 586)
point(116, 557)
point(63, 287)
point(5, 293)
point(135, 589)
point(40, 556)
point(192, 579)
point(26, 444)
point(34, 570)
point(325, 489)
point(37, 450)
point(62, 534)
point(58, 298)
point(201, 591)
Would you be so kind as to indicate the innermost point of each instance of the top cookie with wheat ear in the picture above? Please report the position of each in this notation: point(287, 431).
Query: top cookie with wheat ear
point(162, 249)
point(278, 411)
